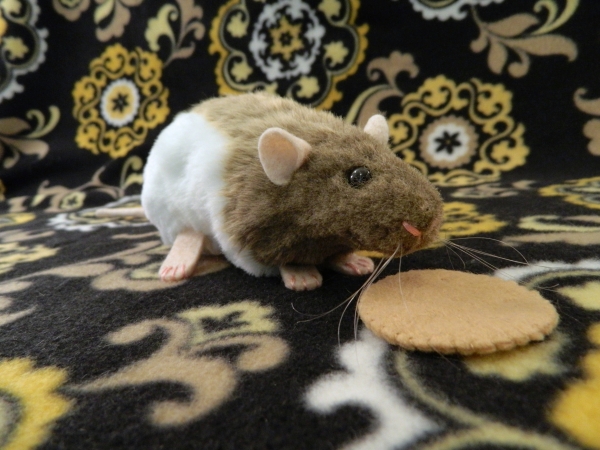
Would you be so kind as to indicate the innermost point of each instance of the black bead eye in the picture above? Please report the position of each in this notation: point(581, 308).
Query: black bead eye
point(359, 176)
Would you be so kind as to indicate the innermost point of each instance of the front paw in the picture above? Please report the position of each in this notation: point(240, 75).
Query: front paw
point(352, 264)
point(301, 278)
point(175, 272)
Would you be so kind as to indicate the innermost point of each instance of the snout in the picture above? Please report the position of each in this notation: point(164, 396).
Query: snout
point(421, 238)
point(431, 235)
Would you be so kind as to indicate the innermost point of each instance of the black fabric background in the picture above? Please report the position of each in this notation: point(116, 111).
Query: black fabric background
point(47, 226)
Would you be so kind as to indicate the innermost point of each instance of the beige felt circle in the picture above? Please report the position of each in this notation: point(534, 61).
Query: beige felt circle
point(448, 311)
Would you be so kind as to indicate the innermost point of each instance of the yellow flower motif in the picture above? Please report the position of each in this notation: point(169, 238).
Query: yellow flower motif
point(331, 8)
point(463, 219)
point(458, 133)
point(12, 254)
point(336, 52)
point(15, 47)
point(119, 101)
point(436, 92)
point(577, 408)
point(286, 39)
point(241, 71)
point(309, 86)
point(584, 192)
point(237, 26)
point(29, 404)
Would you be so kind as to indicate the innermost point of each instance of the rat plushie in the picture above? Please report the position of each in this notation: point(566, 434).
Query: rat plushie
point(280, 188)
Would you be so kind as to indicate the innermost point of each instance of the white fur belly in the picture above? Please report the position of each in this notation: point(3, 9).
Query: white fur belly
point(183, 183)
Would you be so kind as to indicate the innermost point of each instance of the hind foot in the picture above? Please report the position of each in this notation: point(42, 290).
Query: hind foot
point(301, 278)
point(352, 264)
point(183, 257)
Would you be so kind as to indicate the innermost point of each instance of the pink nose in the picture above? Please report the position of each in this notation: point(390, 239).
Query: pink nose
point(412, 230)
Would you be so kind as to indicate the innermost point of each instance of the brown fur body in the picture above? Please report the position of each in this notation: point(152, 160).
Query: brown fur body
point(317, 214)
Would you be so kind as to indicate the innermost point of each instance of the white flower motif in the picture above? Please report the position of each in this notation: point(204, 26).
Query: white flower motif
point(299, 59)
point(364, 382)
point(448, 142)
point(120, 102)
point(444, 10)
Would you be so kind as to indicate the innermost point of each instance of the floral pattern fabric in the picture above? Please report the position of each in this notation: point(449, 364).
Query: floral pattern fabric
point(497, 102)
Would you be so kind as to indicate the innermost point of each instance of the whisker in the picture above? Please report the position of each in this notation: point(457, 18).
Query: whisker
point(467, 252)
point(400, 272)
point(373, 275)
point(358, 294)
point(449, 257)
point(470, 252)
point(318, 316)
point(356, 321)
point(481, 252)
point(495, 240)
point(378, 269)
point(527, 263)
point(387, 262)
point(348, 299)
point(339, 329)
point(449, 247)
point(463, 248)
point(402, 298)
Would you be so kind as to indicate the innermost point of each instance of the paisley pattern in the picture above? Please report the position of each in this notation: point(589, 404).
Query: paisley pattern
point(17, 138)
point(497, 102)
point(111, 16)
point(524, 33)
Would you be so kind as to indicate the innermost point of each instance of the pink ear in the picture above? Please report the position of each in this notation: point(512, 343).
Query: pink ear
point(378, 128)
point(281, 154)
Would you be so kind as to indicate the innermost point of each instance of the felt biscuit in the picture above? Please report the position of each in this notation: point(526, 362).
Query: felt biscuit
point(448, 311)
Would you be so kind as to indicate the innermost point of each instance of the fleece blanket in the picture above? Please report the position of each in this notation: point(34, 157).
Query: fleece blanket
point(497, 102)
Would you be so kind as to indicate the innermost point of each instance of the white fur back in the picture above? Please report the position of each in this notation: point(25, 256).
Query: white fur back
point(183, 181)
point(183, 177)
